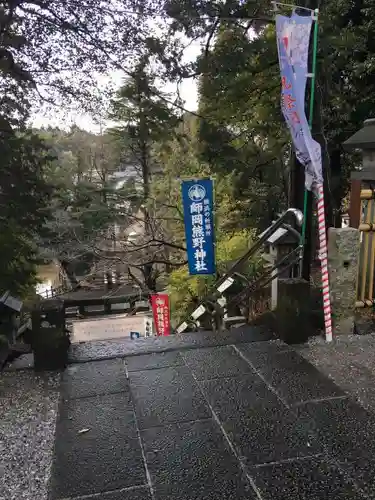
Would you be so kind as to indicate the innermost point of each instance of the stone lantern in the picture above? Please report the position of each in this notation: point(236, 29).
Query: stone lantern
point(363, 179)
point(279, 245)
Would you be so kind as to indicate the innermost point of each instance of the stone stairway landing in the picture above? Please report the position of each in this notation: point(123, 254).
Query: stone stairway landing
point(225, 421)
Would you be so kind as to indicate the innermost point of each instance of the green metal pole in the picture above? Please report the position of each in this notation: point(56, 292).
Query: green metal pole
point(311, 112)
point(313, 78)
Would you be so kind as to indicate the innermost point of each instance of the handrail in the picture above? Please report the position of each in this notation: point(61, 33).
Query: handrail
point(258, 284)
point(269, 276)
point(263, 239)
point(280, 222)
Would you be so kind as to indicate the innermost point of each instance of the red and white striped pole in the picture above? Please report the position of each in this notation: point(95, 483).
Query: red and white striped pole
point(324, 264)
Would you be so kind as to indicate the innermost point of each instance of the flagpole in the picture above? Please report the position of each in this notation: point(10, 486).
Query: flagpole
point(308, 151)
point(323, 251)
point(214, 221)
point(311, 114)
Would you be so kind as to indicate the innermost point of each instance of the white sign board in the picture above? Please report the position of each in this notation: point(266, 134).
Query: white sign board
point(107, 328)
point(225, 285)
point(198, 312)
point(182, 327)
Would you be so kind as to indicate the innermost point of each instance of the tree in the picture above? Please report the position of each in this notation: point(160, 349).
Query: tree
point(24, 202)
point(51, 51)
point(181, 158)
point(60, 48)
point(145, 120)
point(240, 110)
point(244, 90)
point(88, 201)
point(186, 291)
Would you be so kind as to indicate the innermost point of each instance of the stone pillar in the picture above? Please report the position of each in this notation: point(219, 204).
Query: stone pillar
point(343, 256)
point(282, 274)
point(293, 316)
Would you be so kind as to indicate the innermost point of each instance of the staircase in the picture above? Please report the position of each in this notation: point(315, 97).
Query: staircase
point(216, 308)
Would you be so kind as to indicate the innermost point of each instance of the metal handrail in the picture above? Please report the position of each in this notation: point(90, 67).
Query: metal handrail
point(280, 222)
point(298, 215)
point(269, 276)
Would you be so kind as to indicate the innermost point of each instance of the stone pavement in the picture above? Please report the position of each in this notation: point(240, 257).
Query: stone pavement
point(349, 361)
point(222, 422)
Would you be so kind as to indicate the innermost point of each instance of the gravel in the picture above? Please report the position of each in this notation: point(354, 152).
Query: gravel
point(28, 410)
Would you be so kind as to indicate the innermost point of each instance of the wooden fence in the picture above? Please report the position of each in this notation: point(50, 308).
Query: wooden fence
point(366, 268)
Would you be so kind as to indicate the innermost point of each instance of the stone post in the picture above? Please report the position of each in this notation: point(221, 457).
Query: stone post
point(293, 322)
point(343, 256)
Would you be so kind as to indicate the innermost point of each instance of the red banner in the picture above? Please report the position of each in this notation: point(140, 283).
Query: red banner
point(160, 309)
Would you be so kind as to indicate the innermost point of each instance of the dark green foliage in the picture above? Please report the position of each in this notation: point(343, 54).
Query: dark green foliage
point(243, 129)
point(24, 202)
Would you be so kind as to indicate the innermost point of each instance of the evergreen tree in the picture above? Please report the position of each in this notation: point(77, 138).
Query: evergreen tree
point(24, 209)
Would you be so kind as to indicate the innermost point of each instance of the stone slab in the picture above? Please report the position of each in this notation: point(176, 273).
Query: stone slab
point(269, 435)
point(309, 479)
point(152, 361)
point(258, 353)
point(192, 461)
point(272, 346)
point(215, 362)
point(128, 494)
point(122, 347)
point(350, 362)
point(347, 432)
point(219, 492)
point(107, 456)
point(166, 395)
point(229, 396)
point(294, 379)
point(94, 379)
point(262, 354)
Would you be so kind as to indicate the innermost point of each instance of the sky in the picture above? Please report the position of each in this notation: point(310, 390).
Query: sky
point(65, 118)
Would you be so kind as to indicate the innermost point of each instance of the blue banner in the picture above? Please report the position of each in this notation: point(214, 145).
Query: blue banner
point(197, 199)
point(293, 39)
